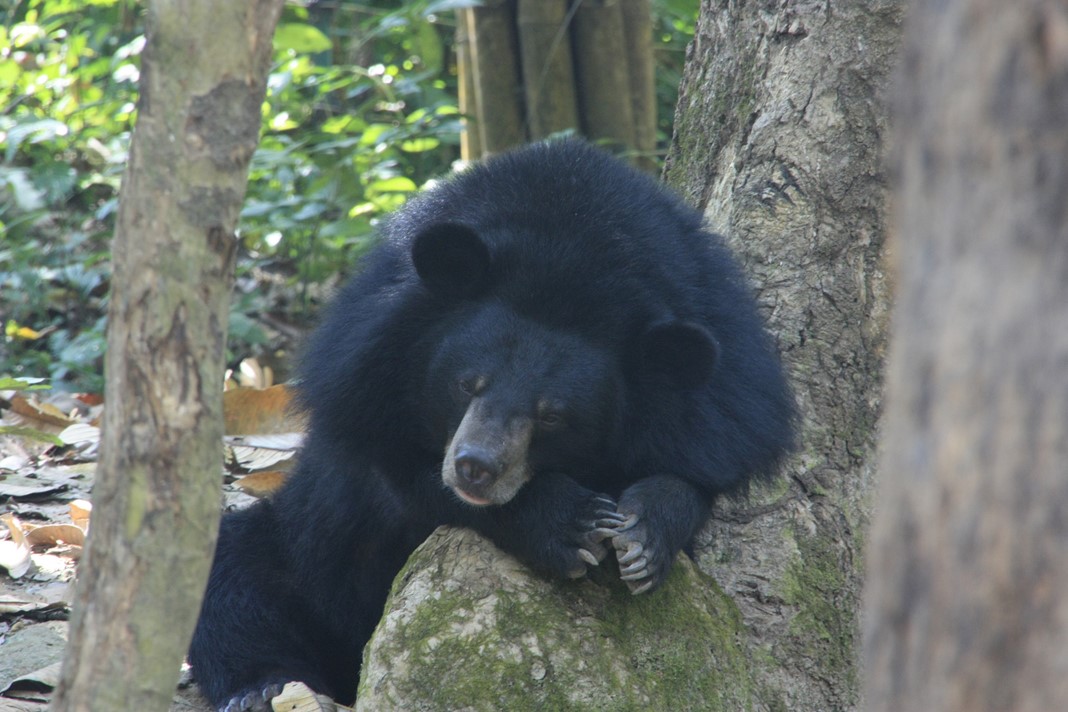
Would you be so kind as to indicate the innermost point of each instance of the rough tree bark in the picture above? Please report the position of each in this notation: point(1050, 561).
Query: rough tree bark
point(779, 139)
point(156, 495)
point(966, 605)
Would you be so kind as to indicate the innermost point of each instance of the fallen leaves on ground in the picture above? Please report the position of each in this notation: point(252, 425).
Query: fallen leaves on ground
point(49, 445)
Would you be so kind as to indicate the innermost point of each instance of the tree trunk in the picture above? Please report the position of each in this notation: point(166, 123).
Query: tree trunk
point(495, 69)
point(779, 139)
point(470, 139)
point(532, 68)
point(602, 71)
point(641, 67)
point(548, 73)
point(156, 494)
point(966, 597)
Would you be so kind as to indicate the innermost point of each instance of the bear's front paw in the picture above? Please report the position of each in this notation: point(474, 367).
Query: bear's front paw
point(644, 561)
point(257, 699)
point(598, 522)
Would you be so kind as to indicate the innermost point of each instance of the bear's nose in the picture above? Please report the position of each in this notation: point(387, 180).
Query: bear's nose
point(475, 467)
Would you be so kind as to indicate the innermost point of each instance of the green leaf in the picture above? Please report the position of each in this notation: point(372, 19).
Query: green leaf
point(336, 124)
point(7, 383)
point(33, 132)
point(56, 178)
point(396, 184)
point(418, 145)
point(429, 46)
point(301, 38)
point(30, 434)
point(27, 196)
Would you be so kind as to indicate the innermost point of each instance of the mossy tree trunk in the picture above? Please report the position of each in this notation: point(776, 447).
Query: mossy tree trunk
point(966, 599)
point(156, 494)
point(779, 140)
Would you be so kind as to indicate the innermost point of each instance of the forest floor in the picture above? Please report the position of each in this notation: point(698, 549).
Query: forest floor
point(49, 444)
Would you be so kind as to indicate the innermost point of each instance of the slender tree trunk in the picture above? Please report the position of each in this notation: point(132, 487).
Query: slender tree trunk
point(156, 494)
point(778, 139)
point(495, 69)
point(532, 68)
point(969, 565)
point(603, 72)
point(638, 33)
point(548, 72)
point(470, 138)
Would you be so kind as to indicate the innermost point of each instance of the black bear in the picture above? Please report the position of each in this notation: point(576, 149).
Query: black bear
point(546, 348)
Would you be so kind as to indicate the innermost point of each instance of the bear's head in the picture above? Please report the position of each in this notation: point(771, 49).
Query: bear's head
point(509, 395)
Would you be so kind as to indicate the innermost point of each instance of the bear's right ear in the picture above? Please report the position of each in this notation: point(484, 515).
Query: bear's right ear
point(452, 260)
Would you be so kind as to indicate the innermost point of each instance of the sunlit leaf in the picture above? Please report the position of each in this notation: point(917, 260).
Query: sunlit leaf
point(418, 145)
point(301, 38)
point(336, 124)
point(8, 383)
point(396, 184)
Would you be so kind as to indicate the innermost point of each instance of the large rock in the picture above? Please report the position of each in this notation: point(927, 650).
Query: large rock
point(468, 627)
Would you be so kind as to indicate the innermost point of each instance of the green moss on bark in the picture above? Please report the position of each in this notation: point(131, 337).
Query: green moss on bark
point(490, 641)
point(824, 629)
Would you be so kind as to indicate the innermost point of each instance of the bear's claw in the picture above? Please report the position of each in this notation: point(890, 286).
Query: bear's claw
point(255, 701)
point(599, 526)
point(642, 566)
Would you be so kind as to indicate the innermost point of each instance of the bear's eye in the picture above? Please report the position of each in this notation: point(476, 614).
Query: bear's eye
point(468, 385)
point(550, 420)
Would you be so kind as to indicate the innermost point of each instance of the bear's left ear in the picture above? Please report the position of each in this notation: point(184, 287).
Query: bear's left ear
point(452, 260)
point(681, 350)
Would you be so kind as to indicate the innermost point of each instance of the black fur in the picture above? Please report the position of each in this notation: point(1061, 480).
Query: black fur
point(586, 312)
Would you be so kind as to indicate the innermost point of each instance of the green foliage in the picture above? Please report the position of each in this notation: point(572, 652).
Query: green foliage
point(673, 28)
point(22, 384)
point(359, 108)
point(360, 112)
point(67, 78)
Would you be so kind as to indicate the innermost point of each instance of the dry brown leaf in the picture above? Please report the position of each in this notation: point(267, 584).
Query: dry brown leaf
point(249, 411)
point(90, 399)
point(261, 484)
point(53, 534)
point(37, 685)
point(40, 412)
point(18, 532)
point(80, 510)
